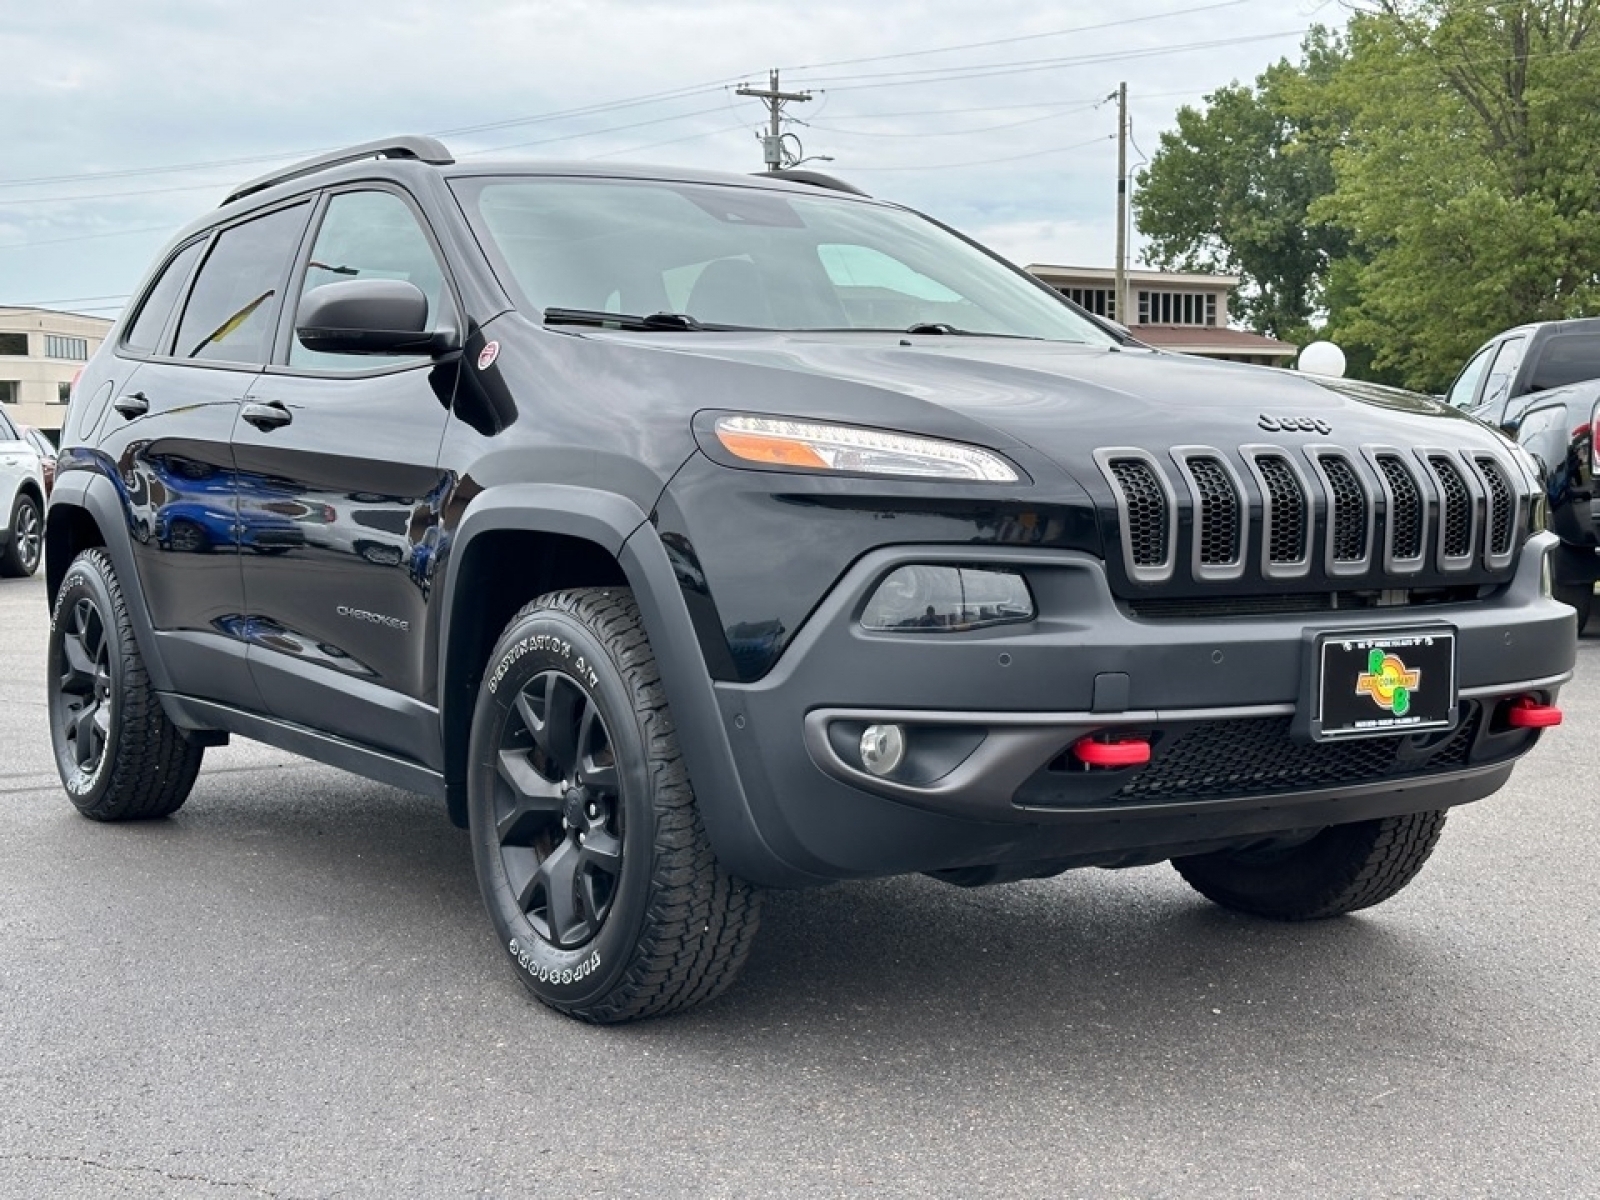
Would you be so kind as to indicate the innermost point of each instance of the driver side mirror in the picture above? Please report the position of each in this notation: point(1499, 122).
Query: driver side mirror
point(370, 316)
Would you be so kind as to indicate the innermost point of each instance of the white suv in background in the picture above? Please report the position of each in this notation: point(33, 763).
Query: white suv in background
point(21, 502)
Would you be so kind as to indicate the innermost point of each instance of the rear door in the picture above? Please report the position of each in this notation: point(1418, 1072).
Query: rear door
point(166, 439)
point(339, 484)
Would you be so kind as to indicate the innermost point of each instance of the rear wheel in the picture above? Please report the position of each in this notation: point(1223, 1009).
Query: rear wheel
point(1340, 870)
point(21, 555)
point(119, 756)
point(590, 852)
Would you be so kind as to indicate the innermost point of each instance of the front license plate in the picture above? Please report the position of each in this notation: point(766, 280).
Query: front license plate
point(1371, 684)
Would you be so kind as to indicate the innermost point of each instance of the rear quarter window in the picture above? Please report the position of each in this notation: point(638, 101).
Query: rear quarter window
point(144, 332)
point(1567, 358)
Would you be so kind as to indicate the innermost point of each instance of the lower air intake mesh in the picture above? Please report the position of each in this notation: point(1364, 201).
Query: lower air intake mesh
point(1256, 756)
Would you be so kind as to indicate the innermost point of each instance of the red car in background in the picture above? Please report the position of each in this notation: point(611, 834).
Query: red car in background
point(47, 454)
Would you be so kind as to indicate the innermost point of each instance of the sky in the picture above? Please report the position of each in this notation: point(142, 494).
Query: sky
point(128, 119)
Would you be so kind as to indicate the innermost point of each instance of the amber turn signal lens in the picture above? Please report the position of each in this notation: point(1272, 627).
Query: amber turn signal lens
point(779, 452)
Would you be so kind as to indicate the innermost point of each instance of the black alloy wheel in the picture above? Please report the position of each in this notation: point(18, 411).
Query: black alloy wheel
point(592, 859)
point(558, 811)
point(120, 757)
point(82, 696)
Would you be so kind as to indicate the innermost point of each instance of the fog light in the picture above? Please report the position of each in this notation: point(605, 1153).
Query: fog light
point(1547, 580)
point(883, 749)
point(938, 599)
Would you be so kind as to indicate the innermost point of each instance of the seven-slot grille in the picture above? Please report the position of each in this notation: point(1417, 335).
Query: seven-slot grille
point(1384, 512)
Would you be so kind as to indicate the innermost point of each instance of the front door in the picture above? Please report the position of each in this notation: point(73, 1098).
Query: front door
point(337, 465)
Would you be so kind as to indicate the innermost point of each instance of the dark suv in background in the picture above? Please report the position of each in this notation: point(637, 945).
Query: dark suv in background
point(689, 534)
point(1540, 384)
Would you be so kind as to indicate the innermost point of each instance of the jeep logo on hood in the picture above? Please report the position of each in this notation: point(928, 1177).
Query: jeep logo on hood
point(1294, 424)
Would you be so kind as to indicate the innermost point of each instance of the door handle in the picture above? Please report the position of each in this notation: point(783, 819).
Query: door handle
point(135, 404)
point(267, 416)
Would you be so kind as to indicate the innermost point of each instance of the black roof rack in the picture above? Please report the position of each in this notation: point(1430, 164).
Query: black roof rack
point(815, 179)
point(422, 149)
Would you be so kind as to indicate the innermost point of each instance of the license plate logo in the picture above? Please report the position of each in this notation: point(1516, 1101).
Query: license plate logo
point(1389, 682)
point(1370, 684)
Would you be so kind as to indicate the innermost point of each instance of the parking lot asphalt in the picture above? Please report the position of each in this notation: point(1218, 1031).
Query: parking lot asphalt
point(289, 989)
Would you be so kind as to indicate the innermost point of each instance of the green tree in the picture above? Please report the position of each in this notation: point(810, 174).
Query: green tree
point(1465, 177)
point(1416, 183)
point(1231, 189)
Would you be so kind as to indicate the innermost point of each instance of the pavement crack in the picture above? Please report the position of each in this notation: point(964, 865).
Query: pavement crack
point(132, 1169)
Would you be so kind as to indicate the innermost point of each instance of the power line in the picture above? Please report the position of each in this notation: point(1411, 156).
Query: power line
point(938, 133)
point(191, 187)
point(985, 108)
point(69, 300)
point(984, 162)
point(954, 74)
point(569, 137)
point(197, 187)
point(592, 109)
point(1028, 37)
point(86, 237)
point(669, 142)
point(558, 114)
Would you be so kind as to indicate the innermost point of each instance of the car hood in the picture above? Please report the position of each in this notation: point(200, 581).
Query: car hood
point(1066, 400)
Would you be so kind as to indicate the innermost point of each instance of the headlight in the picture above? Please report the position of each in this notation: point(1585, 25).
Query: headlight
point(938, 599)
point(775, 442)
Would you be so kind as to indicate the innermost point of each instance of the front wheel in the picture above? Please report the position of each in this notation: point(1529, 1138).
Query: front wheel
point(590, 852)
point(1340, 870)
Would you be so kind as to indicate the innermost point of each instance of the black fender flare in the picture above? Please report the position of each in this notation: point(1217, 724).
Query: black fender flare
point(618, 526)
point(91, 492)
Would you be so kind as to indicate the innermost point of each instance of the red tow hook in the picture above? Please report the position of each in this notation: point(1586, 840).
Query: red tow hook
point(1123, 752)
point(1527, 713)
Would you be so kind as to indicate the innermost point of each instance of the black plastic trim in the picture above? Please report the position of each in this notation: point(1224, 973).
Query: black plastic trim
point(97, 496)
point(189, 713)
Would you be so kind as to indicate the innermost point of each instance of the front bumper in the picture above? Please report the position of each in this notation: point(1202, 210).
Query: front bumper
point(1218, 698)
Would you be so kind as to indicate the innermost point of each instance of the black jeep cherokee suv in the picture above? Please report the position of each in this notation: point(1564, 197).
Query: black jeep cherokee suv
point(689, 534)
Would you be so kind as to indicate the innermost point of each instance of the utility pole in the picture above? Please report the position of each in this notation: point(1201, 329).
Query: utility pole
point(1122, 314)
point(775, 98)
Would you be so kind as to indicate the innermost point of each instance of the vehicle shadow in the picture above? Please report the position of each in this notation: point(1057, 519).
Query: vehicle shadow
point(1054, 976)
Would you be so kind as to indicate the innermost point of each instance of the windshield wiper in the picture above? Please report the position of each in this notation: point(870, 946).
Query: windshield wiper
point(655, 321)
point(946, 328)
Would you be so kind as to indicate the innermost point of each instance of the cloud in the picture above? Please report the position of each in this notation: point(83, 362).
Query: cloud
point(1060, 243)
point(1012, 150)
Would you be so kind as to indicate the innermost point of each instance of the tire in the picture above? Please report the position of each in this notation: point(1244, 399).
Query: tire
point(119, 756)
point(1340, 870)
point(590, 852)
point(21, 556)
point(1580, 596)
point(185, 537)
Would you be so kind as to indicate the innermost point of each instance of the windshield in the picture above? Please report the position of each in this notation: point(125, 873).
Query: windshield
point(750, 258)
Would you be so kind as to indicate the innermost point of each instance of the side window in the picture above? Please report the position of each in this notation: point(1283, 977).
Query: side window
point(233, 307)
point(1567, 358)
point(1466, 384)
point(369, 235)
point(146, 328)
point(1504, 369)
point(8, 431)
